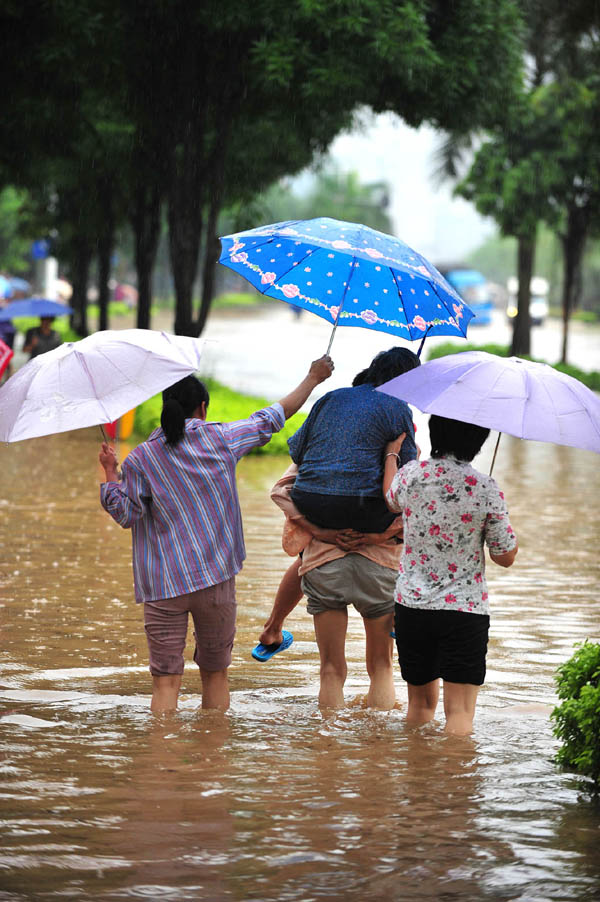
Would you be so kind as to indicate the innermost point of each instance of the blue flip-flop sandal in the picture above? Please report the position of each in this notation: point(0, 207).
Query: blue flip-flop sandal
point(264, 652)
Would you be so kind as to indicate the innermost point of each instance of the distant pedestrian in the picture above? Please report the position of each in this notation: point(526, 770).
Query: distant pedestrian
point(41, 338)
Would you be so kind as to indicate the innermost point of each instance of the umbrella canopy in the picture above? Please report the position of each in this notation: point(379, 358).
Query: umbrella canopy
point(350, 275)
point(525, 399)
point(93, 381)
point(20, 286)
point(34, 307)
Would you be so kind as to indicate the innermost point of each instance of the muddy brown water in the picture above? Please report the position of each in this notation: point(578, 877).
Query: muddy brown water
point(276, 800)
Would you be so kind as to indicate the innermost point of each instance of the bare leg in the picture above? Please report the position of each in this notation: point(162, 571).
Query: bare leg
point(459, 707)
point(288, 595)
point(382, 693)
point(165, 691)
point(215, 689)
point(330, 630)
point(422, 702)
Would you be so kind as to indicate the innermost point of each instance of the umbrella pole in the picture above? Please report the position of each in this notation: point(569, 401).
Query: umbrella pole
point(331, 337)
point(104, 435)
point(495, 452)
point(341, 304)
point(422, 343)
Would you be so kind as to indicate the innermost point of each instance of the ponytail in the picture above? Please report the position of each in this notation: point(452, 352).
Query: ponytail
point(179, 402)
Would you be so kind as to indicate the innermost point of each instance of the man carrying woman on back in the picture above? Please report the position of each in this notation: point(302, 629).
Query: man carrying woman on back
point(353, 556)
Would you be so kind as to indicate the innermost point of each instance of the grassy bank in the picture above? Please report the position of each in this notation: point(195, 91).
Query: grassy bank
point(225, 405)
point(591, 379)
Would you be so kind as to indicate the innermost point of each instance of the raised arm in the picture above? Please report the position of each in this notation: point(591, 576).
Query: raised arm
point(320, 370)
point(391, 460)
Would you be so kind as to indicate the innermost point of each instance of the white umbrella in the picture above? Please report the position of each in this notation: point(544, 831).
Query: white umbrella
point(93, 381)
point(525, 399)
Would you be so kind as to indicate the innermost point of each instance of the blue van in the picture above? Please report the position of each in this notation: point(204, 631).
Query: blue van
point(473, 287)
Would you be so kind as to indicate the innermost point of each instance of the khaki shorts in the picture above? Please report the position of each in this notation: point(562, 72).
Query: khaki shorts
point(352, 579)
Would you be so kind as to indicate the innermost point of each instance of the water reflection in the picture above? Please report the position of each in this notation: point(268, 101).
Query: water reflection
point(100, 800)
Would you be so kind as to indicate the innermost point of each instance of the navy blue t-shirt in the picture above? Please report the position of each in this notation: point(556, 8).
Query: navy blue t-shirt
point(339, 447)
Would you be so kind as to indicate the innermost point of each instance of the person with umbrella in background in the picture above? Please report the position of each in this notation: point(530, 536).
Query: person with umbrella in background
point(41, 338)
point(178, 495)
point(449, 511)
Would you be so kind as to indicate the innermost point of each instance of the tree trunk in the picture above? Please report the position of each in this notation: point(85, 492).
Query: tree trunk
point(211, 257)
point(146, 229)
point(217, 191)
point(185, 227)
point(82, 257)
point(573, 243)
point(105, 248)
point(521, 339)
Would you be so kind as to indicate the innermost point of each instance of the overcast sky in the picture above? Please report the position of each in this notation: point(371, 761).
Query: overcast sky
point(424, 215)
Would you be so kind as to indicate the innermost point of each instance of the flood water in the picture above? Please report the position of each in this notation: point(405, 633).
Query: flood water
point(275, 800)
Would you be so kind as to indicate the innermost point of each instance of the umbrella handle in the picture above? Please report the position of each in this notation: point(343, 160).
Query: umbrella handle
point(495, 452)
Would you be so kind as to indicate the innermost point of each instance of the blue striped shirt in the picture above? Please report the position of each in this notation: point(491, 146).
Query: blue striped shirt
point(182, 506)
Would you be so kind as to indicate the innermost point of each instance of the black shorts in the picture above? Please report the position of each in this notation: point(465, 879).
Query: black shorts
point(364, 513)
point(447, 644)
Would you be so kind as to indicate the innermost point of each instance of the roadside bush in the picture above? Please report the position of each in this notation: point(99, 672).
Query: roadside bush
point(577, 719)
point(450, 347)
point(115, 308)
point(591, 379)
point(225, 405)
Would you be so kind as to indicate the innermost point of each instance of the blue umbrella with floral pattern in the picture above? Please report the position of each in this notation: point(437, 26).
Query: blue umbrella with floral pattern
point(349, 274)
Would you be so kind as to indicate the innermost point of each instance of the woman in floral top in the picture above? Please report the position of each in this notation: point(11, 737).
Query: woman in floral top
point(449, 510)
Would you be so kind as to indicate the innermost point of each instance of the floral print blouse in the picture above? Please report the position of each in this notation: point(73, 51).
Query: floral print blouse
point(449, 510)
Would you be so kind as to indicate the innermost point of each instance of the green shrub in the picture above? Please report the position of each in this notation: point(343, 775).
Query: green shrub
point(115, 308)
point(585, 316)
point(591, 379)
point(577, 719)
point(225, 405)
point(449, 347)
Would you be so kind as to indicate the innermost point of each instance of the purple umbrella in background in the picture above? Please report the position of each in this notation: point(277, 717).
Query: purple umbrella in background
point(525, 399)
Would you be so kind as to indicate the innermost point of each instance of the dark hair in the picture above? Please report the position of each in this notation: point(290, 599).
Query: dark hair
point(386, 365)
point(180, 401)
point(461, 440)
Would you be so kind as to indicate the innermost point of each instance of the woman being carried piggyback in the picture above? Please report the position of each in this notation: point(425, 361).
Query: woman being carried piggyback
point(450, 510)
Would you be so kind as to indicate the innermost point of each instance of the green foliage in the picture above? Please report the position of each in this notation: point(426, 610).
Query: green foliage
point(449, 347)
point(577, 719)
point(591, 379)
point(585, 316)
point(332, 193)
point(14, 249)
point(115, 308)
point(225, 405)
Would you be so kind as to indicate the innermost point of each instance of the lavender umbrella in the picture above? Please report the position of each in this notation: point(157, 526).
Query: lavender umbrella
point(525, 399)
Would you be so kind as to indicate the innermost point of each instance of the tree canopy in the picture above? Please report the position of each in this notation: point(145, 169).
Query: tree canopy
point(124, 107)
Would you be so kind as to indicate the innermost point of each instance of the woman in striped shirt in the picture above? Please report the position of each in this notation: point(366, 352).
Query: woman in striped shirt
point(178, 495)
